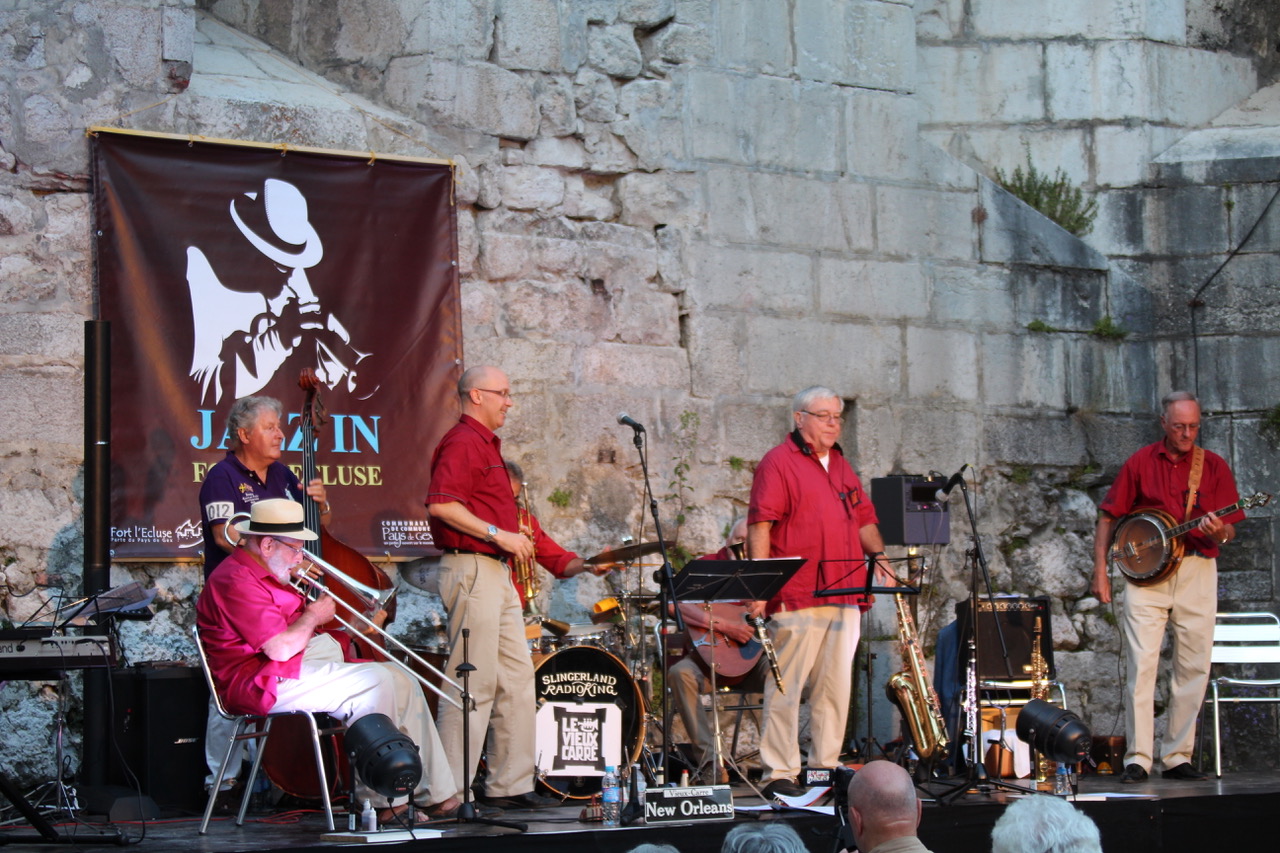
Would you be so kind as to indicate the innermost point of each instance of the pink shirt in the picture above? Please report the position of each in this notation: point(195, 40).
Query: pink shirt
point(1150, 478)
point(242, 607)
point(817, 514)
point(467, 468)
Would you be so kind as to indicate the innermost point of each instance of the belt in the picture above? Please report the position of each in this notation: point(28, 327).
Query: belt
point(475, 554)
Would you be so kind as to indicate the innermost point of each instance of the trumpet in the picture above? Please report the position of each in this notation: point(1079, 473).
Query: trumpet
point(527, 574)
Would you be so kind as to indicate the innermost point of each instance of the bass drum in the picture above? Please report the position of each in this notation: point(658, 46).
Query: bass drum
point(590, 714)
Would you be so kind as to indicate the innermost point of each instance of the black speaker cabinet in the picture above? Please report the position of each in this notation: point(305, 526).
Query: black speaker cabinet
point(1017, 620)
point(159, 726)
point(909, 511)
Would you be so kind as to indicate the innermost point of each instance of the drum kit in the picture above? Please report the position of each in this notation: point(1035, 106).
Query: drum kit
point(591, 683)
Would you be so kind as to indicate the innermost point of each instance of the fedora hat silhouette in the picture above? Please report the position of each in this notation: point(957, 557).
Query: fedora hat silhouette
point(288, 237)
point(276, 517)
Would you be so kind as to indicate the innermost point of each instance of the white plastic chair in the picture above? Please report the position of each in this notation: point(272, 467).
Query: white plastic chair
point(1242, 638)
point(258, 727)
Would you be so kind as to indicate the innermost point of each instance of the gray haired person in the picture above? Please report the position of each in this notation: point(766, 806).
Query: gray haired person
point(1044, 825)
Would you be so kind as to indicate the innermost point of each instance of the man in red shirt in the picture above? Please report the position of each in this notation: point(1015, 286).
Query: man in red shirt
point(268, 650)
point(807, 502)
point(475, 522)
point(1159, 476)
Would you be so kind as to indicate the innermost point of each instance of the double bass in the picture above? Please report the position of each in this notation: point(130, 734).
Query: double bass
point(286, 758)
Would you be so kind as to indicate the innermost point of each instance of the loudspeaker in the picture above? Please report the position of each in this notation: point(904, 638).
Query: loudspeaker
point(1017, 619)
point(909, 512)
point(159, 725)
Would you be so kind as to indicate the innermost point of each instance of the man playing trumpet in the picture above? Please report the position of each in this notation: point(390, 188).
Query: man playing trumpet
point(268, 651)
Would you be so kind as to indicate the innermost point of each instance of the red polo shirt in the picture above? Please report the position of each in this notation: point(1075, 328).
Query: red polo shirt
point(817, 513)
point(551, 556)
point(467, 467)
point(1150, 478)
point(241, 607)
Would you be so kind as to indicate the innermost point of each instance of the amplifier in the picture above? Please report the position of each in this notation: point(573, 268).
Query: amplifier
point(1016, 618)
point(909, 510)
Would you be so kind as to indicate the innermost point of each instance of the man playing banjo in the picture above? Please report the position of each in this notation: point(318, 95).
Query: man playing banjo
point(1176, 479)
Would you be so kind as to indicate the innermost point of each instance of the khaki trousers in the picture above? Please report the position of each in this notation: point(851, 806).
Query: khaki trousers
point(478, 595)
point(1187, 602)
point(815, 649)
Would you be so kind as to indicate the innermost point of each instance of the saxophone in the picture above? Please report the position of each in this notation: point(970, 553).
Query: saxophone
point(1040, 688)
point(527, 574)
point(913, 692)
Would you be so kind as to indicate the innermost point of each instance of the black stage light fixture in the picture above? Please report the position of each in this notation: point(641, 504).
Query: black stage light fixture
point(385, 759)
point(1058, 735)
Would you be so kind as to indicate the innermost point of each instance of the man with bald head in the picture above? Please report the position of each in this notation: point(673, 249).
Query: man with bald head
point(884, 810)
point(474, 521)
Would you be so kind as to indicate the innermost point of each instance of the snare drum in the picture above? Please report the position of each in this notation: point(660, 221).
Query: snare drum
point(590, 715)
point(601, 637)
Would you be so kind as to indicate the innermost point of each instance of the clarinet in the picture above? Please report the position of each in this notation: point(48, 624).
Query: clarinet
point(763, 636)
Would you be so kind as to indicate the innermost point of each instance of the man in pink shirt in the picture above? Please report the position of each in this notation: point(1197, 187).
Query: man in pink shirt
point(268, 651)
point(807, 502)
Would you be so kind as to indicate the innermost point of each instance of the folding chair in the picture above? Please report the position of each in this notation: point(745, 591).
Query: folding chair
point(258, 727)
point(1242, 638)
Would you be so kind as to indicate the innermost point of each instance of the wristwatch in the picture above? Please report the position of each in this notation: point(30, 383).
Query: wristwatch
point(491, 533)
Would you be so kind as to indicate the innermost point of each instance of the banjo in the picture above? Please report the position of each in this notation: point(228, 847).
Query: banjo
point(1147, 544)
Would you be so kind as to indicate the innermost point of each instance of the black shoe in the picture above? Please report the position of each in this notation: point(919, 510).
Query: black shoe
point(1184, 772)
point(1133, 773)
point(530, 800)
point(785, 787)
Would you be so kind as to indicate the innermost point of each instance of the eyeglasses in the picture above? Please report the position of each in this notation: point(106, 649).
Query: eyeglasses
point(825, 417)
point(297, 549)
point(506, 395)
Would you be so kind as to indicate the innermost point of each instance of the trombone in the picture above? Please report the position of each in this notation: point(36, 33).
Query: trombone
point(310, 587)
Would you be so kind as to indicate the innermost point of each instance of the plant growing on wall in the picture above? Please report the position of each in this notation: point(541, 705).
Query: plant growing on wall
point(1056, 197)
point(1270, 426)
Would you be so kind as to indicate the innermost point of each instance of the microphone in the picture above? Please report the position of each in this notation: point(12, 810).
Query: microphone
point(627, 420)
point(956, 479)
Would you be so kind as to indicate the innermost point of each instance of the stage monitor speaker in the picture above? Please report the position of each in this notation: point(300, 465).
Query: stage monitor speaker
point(1017, 620)
point(159, 725)
point(909, 510)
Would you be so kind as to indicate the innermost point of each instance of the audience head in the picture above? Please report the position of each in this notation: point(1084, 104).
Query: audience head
point(649, 847)
point(1043, 824)
point(762, 837)
point(882, 804)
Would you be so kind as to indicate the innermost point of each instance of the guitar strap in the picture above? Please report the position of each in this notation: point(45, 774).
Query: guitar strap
point(1193, 481)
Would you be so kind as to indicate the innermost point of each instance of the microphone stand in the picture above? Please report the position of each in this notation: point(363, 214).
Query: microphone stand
point(467, 810)
point(668, 602)
point(976, 772)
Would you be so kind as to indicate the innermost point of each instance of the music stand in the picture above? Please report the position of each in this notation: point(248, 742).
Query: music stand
point(731, 580)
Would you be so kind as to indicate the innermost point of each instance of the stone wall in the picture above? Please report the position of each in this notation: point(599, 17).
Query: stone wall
point(680, 209)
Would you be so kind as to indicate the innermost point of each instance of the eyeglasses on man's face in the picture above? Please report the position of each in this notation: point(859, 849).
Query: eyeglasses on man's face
point(505, 394)
point(825, 417)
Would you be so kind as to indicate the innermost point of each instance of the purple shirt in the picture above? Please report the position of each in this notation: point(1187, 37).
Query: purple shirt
point(231, 488)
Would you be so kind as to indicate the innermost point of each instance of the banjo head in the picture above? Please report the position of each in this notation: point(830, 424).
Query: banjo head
point(1141, 547)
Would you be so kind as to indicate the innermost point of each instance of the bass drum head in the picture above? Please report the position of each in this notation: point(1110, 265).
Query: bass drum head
point(590, 713)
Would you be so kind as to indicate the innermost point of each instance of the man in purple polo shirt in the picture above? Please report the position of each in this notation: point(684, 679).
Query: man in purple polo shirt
point(807, 502)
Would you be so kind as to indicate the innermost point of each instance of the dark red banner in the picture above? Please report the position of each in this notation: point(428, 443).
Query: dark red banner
point(225, 270)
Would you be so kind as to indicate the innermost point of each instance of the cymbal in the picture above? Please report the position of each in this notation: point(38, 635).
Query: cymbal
point(624, 554)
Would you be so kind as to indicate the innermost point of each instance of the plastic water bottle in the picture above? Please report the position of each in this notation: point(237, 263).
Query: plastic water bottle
point(368, 818)
point(633, 811)
point(1061, 781)
point(611, 799)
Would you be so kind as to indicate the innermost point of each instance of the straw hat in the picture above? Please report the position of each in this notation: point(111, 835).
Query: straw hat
point(276, 517)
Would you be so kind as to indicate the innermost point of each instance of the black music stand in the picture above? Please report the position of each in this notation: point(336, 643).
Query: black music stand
point(731, 580)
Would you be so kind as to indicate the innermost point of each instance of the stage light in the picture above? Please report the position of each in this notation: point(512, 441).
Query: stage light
point(1058, 735)
point(385, 759)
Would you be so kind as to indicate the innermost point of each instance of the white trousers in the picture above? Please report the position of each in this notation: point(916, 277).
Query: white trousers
point(1186, 602)
point(815, 649)
point(349, 691)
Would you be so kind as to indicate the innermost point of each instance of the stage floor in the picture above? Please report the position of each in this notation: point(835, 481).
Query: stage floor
point(1155, 816)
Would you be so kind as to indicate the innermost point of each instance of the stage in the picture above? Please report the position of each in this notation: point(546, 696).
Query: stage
point(1154, 816)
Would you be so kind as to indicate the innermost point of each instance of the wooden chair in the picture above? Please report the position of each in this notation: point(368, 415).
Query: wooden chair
point(1242, 638)
point(258, 727)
